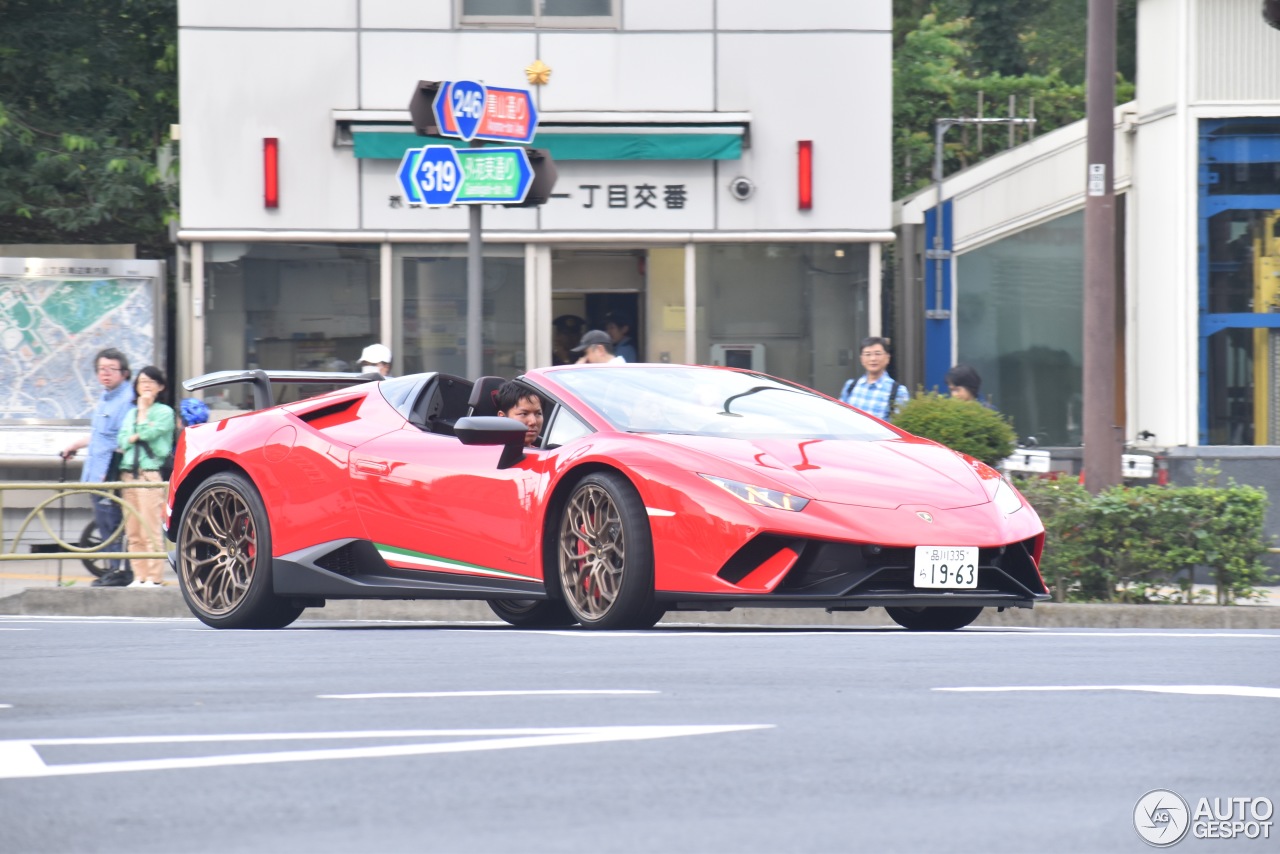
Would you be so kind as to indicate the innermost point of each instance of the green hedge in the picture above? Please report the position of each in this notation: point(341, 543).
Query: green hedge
point(962, 425)
point(1141, 544)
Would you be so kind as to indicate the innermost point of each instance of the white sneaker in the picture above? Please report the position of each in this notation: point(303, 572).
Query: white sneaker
point(137, 582)
point(150, 583)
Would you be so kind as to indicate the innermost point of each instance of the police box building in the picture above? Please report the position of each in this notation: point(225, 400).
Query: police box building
point(722, 182)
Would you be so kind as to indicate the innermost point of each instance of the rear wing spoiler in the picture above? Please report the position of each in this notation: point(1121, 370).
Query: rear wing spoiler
point(261, 381)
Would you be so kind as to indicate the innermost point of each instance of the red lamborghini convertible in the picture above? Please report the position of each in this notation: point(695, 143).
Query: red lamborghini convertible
point(650, 488)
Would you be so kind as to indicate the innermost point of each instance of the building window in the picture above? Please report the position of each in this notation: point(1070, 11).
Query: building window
point(1239, 281)
point(430, 284)
point(286, 306)
point(1021, 322)
point(559, 14)
point(793, 310)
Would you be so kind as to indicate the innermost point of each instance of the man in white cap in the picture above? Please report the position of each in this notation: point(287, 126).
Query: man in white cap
point(376, 358)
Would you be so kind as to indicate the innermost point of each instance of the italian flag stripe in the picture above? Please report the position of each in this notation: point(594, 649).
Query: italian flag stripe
point(411, 559)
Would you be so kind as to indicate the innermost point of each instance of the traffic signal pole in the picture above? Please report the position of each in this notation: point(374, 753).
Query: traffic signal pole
point(440, 175)
point(475, 293)
point(1103, 437)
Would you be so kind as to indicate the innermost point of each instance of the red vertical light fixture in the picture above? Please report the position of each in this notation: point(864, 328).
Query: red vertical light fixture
point(271, 172)
point(804, 164)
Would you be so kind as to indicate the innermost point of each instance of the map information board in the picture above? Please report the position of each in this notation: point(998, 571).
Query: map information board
point(52, 323)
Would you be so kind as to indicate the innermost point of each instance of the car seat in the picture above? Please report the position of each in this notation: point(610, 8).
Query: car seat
point(484, 396)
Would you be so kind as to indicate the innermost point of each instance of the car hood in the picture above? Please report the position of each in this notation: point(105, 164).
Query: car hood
point(885, 473)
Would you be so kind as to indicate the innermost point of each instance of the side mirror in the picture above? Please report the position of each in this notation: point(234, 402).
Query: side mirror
point(493, 430)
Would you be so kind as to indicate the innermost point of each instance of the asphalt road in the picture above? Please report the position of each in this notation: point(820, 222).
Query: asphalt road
point(163, 735)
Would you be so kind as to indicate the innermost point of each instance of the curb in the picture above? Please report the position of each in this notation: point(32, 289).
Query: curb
point(168, 603)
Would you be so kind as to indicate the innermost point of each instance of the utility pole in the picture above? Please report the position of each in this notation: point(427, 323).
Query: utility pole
point(1103, 438)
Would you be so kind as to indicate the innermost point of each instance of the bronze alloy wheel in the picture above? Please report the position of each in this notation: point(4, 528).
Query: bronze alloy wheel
point(606, 555)
point(593, 552)
point(218, 548)
point(224, 557)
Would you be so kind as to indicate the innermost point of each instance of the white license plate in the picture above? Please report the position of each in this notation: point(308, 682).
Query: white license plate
point(946, 566)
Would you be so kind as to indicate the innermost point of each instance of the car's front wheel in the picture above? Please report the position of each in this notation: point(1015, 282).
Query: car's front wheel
point(933, 619)
point(533, 613)
point(224, 557)
point(606, 555)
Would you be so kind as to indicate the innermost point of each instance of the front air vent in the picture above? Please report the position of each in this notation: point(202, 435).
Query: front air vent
point(754, 554)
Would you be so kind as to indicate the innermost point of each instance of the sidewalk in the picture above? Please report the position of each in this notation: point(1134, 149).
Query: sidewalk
point(31, 589)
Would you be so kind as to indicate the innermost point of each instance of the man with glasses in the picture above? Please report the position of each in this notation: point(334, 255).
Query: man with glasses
point(117, 399)
point(875, 392)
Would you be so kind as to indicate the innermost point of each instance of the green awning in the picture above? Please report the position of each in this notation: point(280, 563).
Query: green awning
point(390, 145)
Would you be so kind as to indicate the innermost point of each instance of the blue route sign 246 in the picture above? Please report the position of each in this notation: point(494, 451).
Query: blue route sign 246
point(467, 110)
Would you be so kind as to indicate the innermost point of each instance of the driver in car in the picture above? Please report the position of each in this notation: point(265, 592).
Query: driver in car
point(517, 401)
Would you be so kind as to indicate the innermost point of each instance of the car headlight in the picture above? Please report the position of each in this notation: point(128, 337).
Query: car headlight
point(1006, 498)
point(759, 496)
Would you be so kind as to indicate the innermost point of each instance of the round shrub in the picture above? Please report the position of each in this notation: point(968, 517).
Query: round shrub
point(962, 425)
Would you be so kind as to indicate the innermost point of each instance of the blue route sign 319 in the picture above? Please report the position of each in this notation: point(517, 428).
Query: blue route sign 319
point(440, 175)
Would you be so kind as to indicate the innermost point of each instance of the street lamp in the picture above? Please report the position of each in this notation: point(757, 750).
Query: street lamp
point(936, 253)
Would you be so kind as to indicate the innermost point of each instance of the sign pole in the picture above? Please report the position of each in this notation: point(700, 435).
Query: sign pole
point(475, 294)
point(438, 176)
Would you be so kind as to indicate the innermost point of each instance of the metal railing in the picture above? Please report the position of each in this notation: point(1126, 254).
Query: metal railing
point(60, 550)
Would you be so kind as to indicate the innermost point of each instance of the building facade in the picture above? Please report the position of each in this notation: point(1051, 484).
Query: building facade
point(676, 127)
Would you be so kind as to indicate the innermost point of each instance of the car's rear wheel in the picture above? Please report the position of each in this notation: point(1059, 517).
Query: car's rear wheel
point(606, 555)
point(933, 619)
point(224, 557)
point(533, 613)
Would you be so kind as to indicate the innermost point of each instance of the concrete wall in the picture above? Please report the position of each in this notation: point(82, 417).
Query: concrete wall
point(1161, 291)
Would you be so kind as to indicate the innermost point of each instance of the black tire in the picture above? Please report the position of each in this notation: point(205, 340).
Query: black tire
point(533, 613)
point(605, 555)
point(933, 619)
point(224, 557)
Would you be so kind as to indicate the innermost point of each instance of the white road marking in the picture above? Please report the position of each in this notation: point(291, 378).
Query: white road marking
point(96, 620)
point(739, 630)
point(417, 694)
point(6, 705)
point(1057, 633)
point(1200, 690)
point(19, 758)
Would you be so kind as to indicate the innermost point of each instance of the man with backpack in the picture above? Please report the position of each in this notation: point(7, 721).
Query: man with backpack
point(875, 392)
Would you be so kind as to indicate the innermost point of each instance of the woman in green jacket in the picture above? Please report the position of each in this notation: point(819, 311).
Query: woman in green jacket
point(146, 439)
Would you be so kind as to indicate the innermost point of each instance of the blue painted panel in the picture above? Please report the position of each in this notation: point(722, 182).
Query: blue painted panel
point(1213, 205)
point(1242, 148)
point(1211, 323)
point(937, 333)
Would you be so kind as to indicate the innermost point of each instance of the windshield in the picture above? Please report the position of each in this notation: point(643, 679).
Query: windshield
point(710, 402)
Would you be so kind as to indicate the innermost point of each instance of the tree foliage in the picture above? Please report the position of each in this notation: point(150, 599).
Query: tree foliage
point(88, 90)
point(966, 58)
